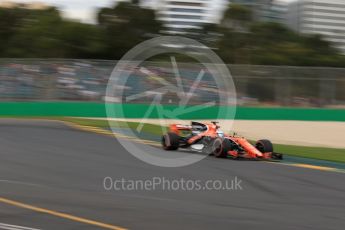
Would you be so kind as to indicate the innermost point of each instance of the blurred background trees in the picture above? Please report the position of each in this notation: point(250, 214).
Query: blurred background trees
point(245, 41)
point(237, 39)
point(126, 25)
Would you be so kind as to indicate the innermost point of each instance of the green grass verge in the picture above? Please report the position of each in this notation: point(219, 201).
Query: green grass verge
point(320, 153)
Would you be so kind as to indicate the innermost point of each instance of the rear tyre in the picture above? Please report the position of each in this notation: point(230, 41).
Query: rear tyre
point(264, 146)
point(170, 141)
point(221, 147)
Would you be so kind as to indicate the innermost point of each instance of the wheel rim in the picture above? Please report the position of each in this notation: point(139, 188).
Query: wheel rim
point(217, 147)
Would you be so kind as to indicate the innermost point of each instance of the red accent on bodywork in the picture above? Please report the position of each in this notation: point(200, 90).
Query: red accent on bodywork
point(233, 153)
point(267, 155)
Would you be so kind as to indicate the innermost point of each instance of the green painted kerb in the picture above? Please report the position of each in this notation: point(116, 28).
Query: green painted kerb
point(89, 109)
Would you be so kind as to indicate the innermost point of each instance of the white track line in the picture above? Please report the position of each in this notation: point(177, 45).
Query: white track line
point(20, 183)
point(15, 227)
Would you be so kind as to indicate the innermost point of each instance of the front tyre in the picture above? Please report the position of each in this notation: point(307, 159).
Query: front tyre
point(264, 146)
point(170, 141)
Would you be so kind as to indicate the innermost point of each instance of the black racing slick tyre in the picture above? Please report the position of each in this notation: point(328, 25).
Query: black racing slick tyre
point(170, 141)
point(221, 147)
point(264, 146)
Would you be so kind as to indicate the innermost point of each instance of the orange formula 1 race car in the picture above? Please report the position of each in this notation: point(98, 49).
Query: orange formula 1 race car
point(208, 138)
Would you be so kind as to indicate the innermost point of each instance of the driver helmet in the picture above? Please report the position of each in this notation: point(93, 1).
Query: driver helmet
point(220, 133)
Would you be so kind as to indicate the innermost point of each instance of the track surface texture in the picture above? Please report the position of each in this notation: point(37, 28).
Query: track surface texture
point(52, 166)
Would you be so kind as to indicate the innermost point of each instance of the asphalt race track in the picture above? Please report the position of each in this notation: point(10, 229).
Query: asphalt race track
point(51, 166)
